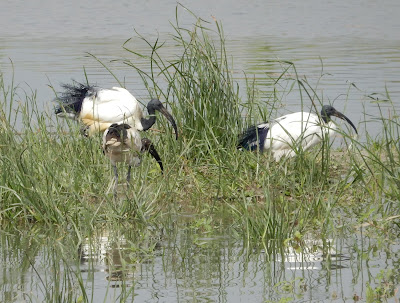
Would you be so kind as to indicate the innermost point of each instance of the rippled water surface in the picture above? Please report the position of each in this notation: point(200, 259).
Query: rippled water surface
point(345, 41)
point(333, 44)
point(189, 266)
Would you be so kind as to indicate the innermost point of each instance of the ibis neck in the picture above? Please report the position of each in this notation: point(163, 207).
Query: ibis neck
point(148, 122)
point(326, 118)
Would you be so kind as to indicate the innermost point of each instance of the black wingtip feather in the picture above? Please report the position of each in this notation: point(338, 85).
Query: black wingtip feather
point(71, 98)
point(253, 138)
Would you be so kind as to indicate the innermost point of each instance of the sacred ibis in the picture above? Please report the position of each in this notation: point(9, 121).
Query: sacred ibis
point(285, 134)
point(98, 108)
point(122, 143)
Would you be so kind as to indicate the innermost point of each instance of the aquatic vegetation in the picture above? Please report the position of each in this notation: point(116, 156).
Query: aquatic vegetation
point(53, 177)
point(51, 174)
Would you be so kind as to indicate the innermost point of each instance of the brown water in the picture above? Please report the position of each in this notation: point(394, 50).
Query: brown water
point(356, 41)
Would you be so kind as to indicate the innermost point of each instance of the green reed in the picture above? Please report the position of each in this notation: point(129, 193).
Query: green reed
point(51, 174)
point(198, 84)
point(54, 178)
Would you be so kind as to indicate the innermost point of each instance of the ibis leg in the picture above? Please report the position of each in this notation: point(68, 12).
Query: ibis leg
point(128, 177)
point(116, 180)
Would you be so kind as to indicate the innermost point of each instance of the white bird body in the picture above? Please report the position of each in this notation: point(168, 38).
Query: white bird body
point(287, 135)
point(298, 130)
point(98, 108)
point(108, 106)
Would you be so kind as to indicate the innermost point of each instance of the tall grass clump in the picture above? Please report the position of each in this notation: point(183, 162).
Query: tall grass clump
point(35, 169)
point(198, 84)
point(57, 179)
point(205, 99)
point(376, 162)
point(56, 176)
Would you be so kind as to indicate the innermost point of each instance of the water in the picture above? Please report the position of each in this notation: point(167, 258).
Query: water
point(190, 266)
point(357, 42)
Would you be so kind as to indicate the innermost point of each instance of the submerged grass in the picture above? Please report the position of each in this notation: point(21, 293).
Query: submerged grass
point(53, 176)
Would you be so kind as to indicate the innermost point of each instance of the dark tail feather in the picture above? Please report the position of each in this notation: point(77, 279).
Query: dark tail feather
point(148, 146)
point(72, 97)
point(253, 138)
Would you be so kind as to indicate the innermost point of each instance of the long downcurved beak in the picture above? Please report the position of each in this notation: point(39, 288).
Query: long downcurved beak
point(169, 117)
point(341, 116)
point(147, 145)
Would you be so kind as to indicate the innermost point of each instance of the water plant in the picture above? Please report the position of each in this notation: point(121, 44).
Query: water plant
point(53, 177)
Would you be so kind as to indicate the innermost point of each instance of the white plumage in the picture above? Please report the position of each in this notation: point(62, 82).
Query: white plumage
point(286, 135)
point(116, 113)
point(108, 106)
point(97, 108)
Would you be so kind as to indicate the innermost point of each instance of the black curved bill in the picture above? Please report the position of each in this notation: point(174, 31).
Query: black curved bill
point(341, 116)
point(147, 145)
point(167, 115)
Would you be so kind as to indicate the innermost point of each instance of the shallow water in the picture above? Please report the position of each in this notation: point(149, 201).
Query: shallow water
point(190, 266)
point(348, 42)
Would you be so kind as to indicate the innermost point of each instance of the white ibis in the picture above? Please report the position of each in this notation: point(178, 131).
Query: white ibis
point(285, 134)
point(122, 143)
point(99, 108)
